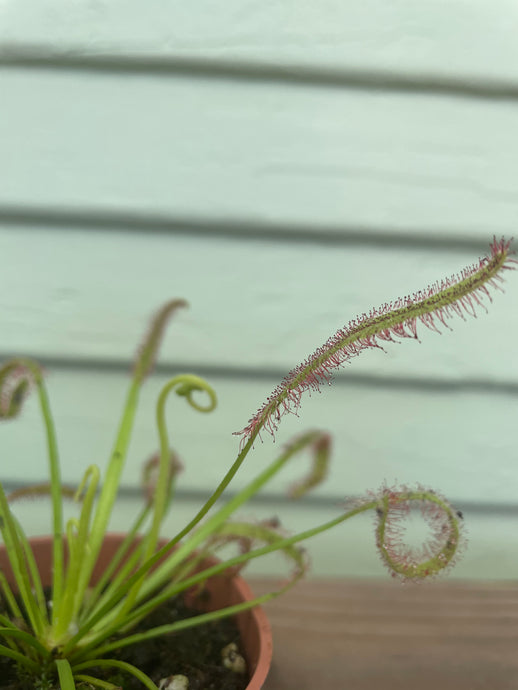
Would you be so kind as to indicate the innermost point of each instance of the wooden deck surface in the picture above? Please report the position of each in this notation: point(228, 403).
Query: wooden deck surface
point(368, 635)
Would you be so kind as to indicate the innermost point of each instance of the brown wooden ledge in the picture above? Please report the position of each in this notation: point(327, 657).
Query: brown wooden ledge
point(375, 635)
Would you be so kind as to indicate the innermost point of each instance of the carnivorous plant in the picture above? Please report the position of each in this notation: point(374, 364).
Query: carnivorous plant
point(61, 645)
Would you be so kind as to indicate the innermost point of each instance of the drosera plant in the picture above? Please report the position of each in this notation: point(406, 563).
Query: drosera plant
point(61, 645)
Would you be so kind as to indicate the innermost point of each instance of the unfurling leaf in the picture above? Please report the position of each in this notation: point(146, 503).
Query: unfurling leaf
point(320, 448)
point(147, 352)
point(16, 380)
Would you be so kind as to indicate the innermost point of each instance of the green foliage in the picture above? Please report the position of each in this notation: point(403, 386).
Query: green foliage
point(59, 645)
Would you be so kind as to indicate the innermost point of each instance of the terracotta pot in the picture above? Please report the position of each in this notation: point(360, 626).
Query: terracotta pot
point(253, 625)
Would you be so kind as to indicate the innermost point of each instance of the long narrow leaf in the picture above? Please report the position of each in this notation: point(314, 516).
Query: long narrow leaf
point(96, 682)
point(66, 677)
point(114, 573)
point(9, 596)
point(21, 659)
point(110, 487)
point(189, 622)
point(14, 547)
point(123, 665)
point(37, 585)
point(459, 295)
point(26, 638)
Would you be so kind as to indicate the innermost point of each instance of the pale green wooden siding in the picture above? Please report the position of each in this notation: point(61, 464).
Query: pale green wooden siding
point(284, 168)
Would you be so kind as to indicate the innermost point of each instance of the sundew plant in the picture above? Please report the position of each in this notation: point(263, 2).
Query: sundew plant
point(70, 640)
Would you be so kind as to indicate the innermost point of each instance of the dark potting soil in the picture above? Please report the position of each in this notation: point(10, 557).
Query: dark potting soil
point(194, 652)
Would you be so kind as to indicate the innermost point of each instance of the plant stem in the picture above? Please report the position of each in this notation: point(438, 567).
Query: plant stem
point(165, 570)
point(55, 479)
point(108, 491)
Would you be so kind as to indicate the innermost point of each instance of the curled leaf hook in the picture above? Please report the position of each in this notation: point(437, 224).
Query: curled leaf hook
point(438, 552)
point(189, 384)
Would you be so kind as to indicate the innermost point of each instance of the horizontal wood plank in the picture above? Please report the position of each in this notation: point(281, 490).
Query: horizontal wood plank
point(261, 152)
point(457, 38)
point(364, 635)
